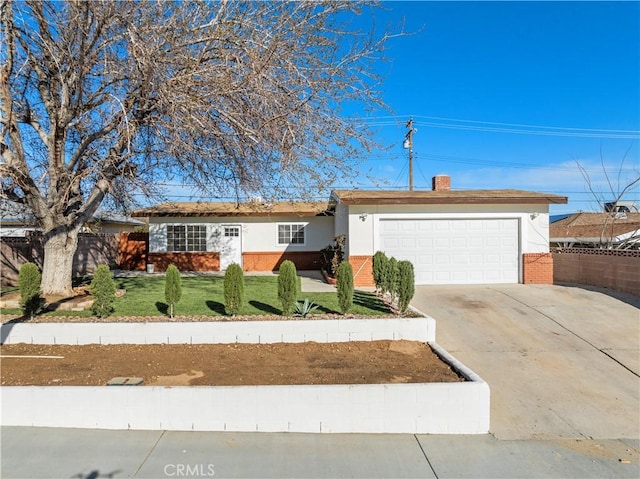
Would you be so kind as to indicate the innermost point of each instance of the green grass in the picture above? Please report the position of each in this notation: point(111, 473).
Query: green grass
point(203, 296)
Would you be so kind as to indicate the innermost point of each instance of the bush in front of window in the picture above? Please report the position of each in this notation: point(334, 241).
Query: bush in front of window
point(287, 286)
point(172, 288)
point(103, 290)
point(233, 289)
point(29, 280)
point(344, 286)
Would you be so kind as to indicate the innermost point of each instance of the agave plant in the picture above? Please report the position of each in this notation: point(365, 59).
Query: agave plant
point(305, 308)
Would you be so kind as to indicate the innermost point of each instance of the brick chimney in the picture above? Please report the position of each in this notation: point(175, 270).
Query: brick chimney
point(441, 183)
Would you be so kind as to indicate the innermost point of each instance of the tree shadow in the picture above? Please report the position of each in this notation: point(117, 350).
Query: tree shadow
point(162, 307)
point(324, 309)
point(369, 301)
point(267, 308)
point(216, 307)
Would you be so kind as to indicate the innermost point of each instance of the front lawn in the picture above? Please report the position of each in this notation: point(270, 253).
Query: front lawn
point(203, 296)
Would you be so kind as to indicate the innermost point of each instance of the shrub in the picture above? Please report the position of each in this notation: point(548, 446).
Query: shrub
point(287, 286)
point(345, 286)
point(29, 279)
point(406, 285)
point(332, 256)
point(233, 289)
point(103, 290)
point(172, 288)
point(380, 265)
point(391, 276)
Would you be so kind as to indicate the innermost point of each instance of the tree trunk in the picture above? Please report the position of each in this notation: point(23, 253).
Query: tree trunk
point(57, 269)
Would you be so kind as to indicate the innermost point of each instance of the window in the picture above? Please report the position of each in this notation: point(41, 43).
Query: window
point(186, 238)
point(231, 231)
point(291, 234)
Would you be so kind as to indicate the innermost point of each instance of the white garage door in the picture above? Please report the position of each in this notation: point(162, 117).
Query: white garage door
point(463, 251)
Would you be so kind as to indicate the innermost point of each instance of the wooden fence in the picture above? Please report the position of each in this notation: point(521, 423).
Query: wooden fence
point(93, 250)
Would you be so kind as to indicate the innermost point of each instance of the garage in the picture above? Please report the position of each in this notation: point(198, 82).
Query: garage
point(455, 251)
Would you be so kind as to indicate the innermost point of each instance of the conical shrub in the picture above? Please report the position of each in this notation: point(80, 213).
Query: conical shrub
point(233, 289)
point(287, 287)
point(29, 281)
point(103, 290)
point(172, 288)
point(344, 286)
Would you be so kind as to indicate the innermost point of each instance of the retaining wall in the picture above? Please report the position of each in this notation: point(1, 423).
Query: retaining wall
point(222, 332)
point(433, 408)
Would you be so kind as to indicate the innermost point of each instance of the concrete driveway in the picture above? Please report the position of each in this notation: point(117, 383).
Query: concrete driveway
point(562, 362)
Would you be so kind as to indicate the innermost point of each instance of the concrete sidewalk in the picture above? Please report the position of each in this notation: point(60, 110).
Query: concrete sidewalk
point(93, 454)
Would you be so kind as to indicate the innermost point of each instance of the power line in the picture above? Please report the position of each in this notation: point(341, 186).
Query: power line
point(500, 127)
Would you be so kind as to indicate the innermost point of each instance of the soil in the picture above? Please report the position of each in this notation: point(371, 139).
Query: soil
point(375, 362)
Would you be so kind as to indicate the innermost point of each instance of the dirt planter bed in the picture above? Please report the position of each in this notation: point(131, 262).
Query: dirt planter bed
point(438, 408)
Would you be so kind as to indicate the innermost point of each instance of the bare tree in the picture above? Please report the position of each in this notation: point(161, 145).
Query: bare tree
point(610, 204)
point(102, 100)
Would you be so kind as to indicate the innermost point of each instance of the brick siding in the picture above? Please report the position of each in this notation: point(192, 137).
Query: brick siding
point(362, 270)
point(271, 261)
point(192, 261)
point(537, 268)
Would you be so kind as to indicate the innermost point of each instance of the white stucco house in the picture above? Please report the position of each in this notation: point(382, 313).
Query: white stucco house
point(450, 236)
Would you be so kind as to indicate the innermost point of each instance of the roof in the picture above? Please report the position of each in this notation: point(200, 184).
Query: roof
point(381, 197)
point(594, 226)
point(12, 213)
point(115, 218)
point(216, 209)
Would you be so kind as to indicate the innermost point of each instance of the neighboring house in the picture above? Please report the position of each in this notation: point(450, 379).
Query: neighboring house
point(451, 237)
point(596, 230)
point(17, 221)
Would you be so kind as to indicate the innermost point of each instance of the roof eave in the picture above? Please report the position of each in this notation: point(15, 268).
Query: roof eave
point(453, 201)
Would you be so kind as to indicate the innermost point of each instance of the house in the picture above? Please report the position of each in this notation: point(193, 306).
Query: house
point(450, 236)
point(596, 230)
point(17, 221)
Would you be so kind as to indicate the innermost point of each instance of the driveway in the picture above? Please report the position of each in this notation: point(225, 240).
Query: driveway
point(562, 362)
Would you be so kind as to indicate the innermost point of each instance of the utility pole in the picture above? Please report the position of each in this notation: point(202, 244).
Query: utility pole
point(408, 144)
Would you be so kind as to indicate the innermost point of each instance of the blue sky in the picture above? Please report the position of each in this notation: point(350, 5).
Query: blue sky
point(571, 70)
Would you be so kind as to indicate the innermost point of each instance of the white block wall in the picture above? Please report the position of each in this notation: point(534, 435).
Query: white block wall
point(434, 408)
point(222, 332)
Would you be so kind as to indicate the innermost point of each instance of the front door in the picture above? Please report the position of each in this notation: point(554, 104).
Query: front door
point(231, 246)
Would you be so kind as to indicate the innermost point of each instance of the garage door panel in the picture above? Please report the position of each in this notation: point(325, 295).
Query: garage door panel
point(456, 251)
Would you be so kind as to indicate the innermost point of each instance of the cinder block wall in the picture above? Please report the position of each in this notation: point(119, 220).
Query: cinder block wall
point(537, 268)
point(613, 269)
